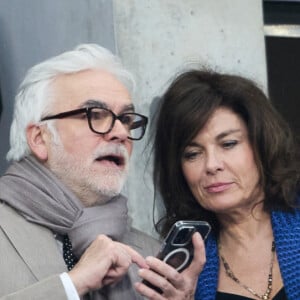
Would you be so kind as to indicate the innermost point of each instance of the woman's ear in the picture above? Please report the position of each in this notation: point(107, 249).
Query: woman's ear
point(37, 138)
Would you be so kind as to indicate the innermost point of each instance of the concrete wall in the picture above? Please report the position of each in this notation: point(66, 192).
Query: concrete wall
point(157, 38)
point(154, 38)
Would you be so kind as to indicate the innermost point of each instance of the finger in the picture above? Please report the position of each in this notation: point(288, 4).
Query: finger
point(148, 292)
point(199, 256)
point(107, 280)
point(116, 271)
point(161, 275)
point(161, 267)
point(136, 257)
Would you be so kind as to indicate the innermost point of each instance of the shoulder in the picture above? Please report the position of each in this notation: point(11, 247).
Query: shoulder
point(286, 229)
point(286, 218)
point(10, 218)
point(6, 208)
point(9, 215)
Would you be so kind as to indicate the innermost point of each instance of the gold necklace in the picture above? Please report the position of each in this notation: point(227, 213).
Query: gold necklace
point(230, 274)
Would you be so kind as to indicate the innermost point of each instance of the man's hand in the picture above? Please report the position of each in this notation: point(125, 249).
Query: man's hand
point(104, 262)
point(174, 285)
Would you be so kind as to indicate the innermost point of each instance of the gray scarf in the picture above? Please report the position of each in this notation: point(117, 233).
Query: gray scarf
point(37, 194)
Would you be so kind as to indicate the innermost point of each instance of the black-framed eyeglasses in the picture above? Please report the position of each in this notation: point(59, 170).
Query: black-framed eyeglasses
point(102, 120)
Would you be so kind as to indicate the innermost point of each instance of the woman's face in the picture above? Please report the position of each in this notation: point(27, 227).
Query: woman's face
point(219, 165)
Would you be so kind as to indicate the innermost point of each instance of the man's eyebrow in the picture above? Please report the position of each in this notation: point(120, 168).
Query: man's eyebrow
point(129, 107)
point(101, 104)
point(94, 103)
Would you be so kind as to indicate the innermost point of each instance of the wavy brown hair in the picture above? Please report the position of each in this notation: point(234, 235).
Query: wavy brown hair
point(185, 108)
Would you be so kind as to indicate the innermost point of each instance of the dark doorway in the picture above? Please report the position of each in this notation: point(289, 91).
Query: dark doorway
point(282, 36)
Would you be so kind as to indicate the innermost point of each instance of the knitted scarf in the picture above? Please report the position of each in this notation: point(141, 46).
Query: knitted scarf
point(37, 194)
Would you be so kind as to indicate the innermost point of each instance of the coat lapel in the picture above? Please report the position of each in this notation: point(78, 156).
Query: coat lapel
point(35, 244)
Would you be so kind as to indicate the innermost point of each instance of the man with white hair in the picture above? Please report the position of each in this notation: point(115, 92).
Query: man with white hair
point(61, 208)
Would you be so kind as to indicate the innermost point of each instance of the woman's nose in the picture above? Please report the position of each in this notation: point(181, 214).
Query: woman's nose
point(214, 162)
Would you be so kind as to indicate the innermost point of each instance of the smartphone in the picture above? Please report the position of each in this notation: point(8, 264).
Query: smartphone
point(177, 248)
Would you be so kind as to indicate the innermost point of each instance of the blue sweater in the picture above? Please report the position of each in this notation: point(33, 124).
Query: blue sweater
point(286, 230)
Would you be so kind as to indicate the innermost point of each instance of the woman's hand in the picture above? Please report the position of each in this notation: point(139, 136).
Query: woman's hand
point(174, 285)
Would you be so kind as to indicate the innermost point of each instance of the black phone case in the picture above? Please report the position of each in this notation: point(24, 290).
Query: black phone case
point(177, 248)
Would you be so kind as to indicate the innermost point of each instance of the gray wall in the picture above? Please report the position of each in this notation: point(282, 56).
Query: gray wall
point(33, 30)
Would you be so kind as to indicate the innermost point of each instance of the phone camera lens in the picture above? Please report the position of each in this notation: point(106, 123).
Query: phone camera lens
point(183, 236)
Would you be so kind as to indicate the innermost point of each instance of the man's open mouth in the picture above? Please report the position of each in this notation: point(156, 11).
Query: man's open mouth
point(117, 160)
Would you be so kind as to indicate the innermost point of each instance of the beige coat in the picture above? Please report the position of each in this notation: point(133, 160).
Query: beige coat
point(30, 261)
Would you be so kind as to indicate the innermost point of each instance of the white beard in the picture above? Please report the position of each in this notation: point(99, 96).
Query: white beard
point(92, 186)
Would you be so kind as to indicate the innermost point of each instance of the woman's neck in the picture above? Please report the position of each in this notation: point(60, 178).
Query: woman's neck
point(244, 227)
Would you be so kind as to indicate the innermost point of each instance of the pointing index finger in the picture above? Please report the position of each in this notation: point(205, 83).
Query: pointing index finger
point(136, 257)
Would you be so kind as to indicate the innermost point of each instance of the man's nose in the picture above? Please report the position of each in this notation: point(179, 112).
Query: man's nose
point(118, 132)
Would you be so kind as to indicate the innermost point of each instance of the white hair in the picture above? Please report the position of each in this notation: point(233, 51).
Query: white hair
point(34, 96)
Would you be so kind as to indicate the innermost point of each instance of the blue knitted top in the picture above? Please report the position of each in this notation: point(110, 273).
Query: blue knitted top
point(286, 230)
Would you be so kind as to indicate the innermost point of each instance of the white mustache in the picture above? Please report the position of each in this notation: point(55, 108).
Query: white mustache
point(112, 149)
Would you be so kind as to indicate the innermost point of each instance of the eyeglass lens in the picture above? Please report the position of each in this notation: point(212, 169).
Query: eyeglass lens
point(102, 121)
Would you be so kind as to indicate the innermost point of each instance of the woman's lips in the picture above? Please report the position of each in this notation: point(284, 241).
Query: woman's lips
point(218, 187)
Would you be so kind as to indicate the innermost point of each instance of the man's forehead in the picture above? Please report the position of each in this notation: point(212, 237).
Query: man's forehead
point(90, 78)
point(71, 90)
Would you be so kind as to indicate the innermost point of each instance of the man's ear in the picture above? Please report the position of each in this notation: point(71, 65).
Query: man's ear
point(37, 138)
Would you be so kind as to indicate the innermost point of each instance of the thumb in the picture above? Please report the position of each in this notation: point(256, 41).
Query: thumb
point(198, 262)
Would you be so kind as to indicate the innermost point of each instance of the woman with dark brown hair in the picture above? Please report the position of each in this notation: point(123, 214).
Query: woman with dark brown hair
point(223, 154)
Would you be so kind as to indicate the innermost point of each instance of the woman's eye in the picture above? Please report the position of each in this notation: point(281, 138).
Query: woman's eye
point(229, 144)
point(191, 155)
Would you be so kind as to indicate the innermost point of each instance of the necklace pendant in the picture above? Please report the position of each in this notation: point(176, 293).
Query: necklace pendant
point(266, 295)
